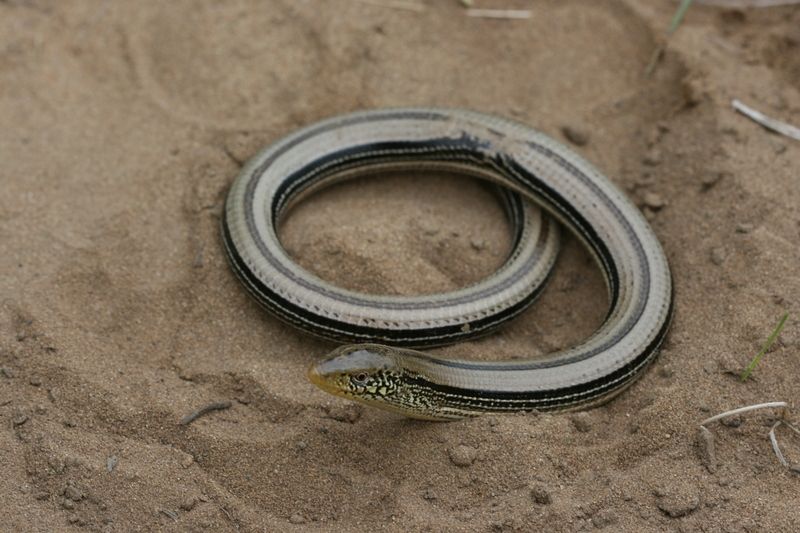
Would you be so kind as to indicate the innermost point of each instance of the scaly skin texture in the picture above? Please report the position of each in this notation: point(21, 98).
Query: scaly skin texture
point(378, 376)
point(373, 374)
point(524, 161)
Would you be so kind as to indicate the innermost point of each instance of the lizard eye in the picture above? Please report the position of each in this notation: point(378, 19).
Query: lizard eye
point(360, 378)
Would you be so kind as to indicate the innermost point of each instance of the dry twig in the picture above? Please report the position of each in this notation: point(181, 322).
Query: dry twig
point(216, 406)
point(396, 4)
point(741, 410)
point(770, 123)
point(772, 438)
point(499, 13)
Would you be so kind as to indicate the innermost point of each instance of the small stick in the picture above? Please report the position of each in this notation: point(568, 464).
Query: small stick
point(499, 13)
point(792, 427)
point(770, 123)
point(775, 446)
point(227, 514)
point(216, 406)
point(708, 452)
point(396, 4)
point(741, 410)
point(773, 439)
point(171, 514)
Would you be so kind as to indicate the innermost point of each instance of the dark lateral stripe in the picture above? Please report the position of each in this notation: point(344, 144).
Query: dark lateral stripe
point(358, 157)
point(299, 181)
point(583, 226)
point(347, 332)
point(464, 149)
point(551, 398)
point(340, 122)
point(373, 153)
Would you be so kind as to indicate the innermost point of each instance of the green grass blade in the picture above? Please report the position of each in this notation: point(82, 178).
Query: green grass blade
point(771, 339)
point(676, 21)
point(651, 65)
point(678, 17)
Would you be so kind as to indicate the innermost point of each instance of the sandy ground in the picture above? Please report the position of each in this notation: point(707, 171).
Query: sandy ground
point(125, 122)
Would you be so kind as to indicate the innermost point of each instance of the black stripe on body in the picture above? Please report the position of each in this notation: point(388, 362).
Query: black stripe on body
point(500, 401)
point(473, 151)
point(347, 332)
point(464, 150)
point(582, 226)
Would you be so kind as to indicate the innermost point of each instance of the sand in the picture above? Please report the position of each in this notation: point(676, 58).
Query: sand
point(125, 122)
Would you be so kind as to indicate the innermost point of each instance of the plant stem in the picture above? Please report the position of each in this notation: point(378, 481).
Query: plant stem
point(771, 339)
